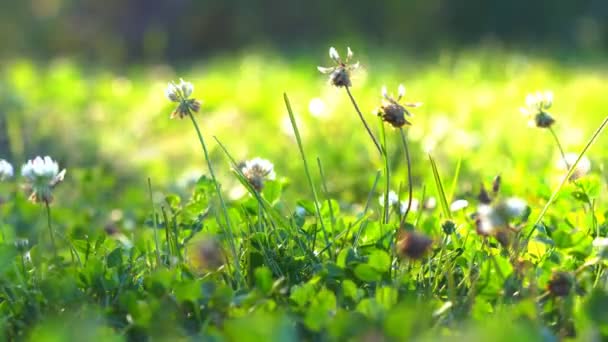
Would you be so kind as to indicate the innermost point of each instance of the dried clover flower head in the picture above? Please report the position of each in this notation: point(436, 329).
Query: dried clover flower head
point(413, 245)
point(536, 108)
point(6, 170)
point(180, 93)
point(339, 74)
point(582, 168)
point(560, 284)
point(207, 254)
point(394, 112)
point(42, 175)
point(257, 171)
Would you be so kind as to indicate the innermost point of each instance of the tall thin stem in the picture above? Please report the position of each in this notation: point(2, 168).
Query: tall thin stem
point(51, 234)
point(387, 171)
point(409, 177)
point(369, 131)
point(559, 146)
point(221, 198)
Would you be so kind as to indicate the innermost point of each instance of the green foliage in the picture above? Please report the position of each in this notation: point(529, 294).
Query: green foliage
point(307, 256)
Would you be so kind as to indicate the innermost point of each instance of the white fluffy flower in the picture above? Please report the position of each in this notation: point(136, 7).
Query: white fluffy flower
point(459, 205)
point(600, 242)
point(414, 207)
point(258, 170)
point(514, 207)
point(6, 170)
point(536, 108)
point(582, 168)
point(539, 101)
point(393, 199)
point(491, 217)
point(180, 91)
point(42, 175)
point(488, 220)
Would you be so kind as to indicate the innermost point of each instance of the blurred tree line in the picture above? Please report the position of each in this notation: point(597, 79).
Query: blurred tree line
point(134, 30)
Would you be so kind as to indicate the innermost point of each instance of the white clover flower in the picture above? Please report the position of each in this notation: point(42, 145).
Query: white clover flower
point(488, 220)
point(459, 205)
point(258, 170)
point(180, 93)
point(539, 101)
point(339, 74)
point(414, 207)
point(430, 203)
point(536, 108)
point(393, 199)
point(600, 242)
point(493, 217)
point(6, 170)
point(42, 175)
point(582, 168)
point(513, 207)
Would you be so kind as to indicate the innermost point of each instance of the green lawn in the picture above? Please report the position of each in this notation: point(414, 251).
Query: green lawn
point(276, 263)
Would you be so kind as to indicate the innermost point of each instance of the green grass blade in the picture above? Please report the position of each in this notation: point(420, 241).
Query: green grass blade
point(155, 224)
point(440, 192)
point(306, 169)
point(455, 180)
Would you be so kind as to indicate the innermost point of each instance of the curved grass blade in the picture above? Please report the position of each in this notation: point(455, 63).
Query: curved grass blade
point(440, 192)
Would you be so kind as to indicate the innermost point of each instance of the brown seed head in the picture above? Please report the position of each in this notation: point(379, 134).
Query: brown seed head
point(394, 114)
point(413, 245)
point(560, 284)
point(208, 254)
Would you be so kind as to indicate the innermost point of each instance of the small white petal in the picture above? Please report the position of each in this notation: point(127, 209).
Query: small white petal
point(459, 205)
point(401, 90)
point(186, 87)
point(333, 54)
point(531, 100)
point(384, 92)
point(325, 70)
point(548, 99)
point(349, 53)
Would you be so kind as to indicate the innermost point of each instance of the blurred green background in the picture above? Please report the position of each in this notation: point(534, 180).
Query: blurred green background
point(83, 81)
point(117, 31)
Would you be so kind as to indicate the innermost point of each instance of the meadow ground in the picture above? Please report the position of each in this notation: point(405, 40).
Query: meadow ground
point(137, 244)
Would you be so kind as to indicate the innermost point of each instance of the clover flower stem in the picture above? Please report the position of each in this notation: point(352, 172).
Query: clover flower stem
point(221, 198)
point(387, 171)
point(559, 146)
point(409, 177)
point(51, 234)
point(369, 131)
